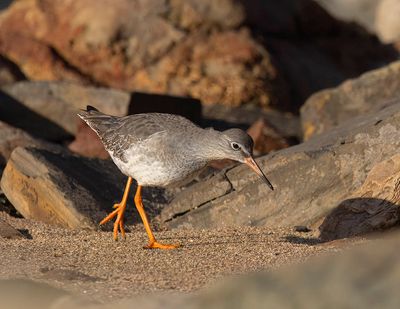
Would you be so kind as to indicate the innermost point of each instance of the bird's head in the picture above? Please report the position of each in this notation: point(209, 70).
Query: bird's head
point(238, 146)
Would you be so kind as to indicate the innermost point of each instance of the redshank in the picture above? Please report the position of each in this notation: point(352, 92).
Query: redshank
point(160, 150)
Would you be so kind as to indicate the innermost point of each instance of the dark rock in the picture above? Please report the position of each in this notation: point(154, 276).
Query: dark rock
point(222, 118)
point(9, 72)
point(378, 17)
point(311, 58)
point(87, 143)
point(310, 179)
point(372, 207)
point(156, 103)
point(369, 93)
point(56, 187)
point(266, 138)
point(20, 116)
point(363, 12)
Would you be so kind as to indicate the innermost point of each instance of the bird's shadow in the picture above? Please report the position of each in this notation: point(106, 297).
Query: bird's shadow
point(310, 241)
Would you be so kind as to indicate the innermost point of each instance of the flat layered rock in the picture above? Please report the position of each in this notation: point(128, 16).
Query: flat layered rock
point(56, 187)
point(370, 92)
point(310, 179)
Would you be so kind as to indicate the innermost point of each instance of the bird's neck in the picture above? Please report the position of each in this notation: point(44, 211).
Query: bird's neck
point(207, 146)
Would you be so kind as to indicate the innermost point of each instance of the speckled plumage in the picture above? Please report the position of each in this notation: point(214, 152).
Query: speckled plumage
point(162, 149)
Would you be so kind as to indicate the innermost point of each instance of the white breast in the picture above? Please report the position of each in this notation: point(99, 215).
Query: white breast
point(149, 170)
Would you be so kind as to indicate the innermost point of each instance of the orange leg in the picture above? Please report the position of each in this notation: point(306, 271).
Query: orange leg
point(153, 244)
point(119, 212)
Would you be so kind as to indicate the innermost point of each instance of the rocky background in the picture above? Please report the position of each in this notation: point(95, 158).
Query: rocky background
point(315, 83)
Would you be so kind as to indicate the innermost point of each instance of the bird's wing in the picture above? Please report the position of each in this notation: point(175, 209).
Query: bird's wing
point(132, 129)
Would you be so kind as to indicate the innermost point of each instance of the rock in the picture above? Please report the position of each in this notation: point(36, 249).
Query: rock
point(307, 57)
point(377, 16)
point(9, 72)
point(7, 231)
point(370, 92)
point(189, 108)
point(310, 179)
point(11, 138)
point(18, 115)
point(387, 22)
point(19, 293)
point(56, 187)
point(192, 14)
point(87, 143)
point(374, 206)
point(48, 109)
point(359, 278)
point(34, 57)
point(194, 196)
point(170, 47)
point(222, 118)
point(363, 12)
point(266, 138)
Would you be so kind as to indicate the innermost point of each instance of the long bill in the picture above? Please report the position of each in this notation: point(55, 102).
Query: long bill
point(254, 166)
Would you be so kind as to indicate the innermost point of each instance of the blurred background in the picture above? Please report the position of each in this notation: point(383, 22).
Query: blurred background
point(250, 64)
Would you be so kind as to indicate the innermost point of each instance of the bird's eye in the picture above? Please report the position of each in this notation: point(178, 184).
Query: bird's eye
point(235, 146)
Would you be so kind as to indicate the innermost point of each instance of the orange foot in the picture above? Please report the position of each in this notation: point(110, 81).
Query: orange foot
point(119, 222)
point(157, 245)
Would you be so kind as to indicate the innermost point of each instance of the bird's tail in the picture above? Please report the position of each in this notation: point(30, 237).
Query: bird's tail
point(98, 121)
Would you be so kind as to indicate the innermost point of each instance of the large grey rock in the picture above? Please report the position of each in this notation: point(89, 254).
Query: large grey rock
point(370, 92)
point(48, 109)
point(310, 179)
point(53, 186)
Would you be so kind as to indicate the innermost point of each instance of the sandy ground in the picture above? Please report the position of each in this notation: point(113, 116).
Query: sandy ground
point(91, 263)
